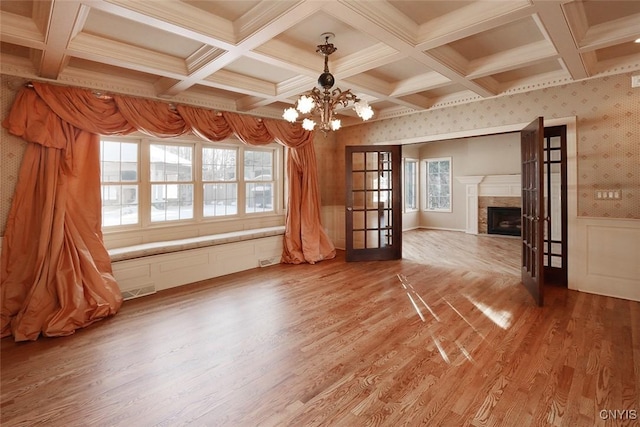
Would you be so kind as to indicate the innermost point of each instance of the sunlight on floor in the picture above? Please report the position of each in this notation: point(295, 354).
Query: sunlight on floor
point(465, 352)
point(464, 318)
point(406, 285)
point(443, 353)
point(502, 318)
point(416, 307)
point(413, 296)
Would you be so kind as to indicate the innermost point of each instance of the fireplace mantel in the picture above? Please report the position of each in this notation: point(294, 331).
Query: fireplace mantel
point(486, 185)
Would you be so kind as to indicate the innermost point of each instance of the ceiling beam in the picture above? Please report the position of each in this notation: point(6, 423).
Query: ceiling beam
point(552, 22)
point(470, 20)
point(65, 21)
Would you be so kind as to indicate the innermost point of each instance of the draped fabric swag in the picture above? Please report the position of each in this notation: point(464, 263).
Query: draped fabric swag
point(56, 271)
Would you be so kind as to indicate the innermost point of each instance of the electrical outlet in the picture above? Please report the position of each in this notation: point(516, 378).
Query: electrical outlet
point(635, 81)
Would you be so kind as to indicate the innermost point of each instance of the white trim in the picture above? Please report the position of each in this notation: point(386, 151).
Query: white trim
point(471, 197)
point(416, 184)
point(501, 186)
point(441, 228)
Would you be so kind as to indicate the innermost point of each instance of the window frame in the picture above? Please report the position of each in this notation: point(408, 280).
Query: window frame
point(120, 183)
point(235, 181)
point(199, 219)
point(149, 182)
point(416, 170)
point(426, 192)
point(245, 183)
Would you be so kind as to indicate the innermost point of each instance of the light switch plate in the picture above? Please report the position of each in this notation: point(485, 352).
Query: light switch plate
point(608, 194)
point(635, 81)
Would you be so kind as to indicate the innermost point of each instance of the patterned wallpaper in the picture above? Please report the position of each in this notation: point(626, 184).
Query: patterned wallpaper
point(607, 110)
point(608, 132)
point(12, 149)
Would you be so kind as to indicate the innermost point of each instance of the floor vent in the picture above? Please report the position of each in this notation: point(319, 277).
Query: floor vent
point(140, 292)
point(269, 261)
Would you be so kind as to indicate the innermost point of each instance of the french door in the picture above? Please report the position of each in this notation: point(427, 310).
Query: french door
point(373, 203)
point(555, 202)
point(531, 143)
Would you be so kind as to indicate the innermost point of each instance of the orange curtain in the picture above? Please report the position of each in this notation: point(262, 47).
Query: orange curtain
point(305, 239)
point(56, 273)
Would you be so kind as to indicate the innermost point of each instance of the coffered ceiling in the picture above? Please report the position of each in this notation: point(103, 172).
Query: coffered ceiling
point(257, 56)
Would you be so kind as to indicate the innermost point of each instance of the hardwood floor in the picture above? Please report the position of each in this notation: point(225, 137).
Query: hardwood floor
point(439, 338)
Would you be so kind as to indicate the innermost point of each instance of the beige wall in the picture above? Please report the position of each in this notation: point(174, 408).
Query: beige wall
point(325, 147)
point(608, 127)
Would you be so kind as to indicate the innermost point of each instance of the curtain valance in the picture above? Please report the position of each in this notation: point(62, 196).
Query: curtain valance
point(121, 115)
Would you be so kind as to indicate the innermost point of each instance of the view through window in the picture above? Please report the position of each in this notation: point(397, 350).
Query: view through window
point(152, 182)
point(438, 175)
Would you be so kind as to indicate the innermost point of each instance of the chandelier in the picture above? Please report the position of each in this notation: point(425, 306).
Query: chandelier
point(323, 102)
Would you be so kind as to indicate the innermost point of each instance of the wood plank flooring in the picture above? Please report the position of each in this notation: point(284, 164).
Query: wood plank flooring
point(440, 338)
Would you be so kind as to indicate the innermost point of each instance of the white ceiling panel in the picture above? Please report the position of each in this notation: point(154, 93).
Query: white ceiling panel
point(258, 56)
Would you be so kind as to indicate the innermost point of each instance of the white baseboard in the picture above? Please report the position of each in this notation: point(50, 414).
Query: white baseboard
point(443, 229)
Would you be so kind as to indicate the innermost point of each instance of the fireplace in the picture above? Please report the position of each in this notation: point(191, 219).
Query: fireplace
point(504, 220)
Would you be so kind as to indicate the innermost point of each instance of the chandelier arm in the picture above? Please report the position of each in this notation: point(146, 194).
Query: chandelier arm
point(343, 98)
point(317, 97)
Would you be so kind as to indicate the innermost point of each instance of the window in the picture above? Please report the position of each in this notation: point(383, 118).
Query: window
point(438, 175)
point(220, 181)
point(171, 178)
point(119, 176)
point(148, 182)
point(410, 185)
point(258, 173)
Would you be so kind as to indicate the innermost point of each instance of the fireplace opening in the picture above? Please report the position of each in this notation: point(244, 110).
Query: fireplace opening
point(504, 220)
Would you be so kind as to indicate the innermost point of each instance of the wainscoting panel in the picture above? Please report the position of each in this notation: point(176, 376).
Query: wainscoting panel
point(180, 268)
point(604, 257)
point(602, 242)
point(182, 260)
point(268, 247)
point(236, 257)
point(132, 272)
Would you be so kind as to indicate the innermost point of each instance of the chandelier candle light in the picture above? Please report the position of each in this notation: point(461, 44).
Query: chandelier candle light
point(323, 103)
